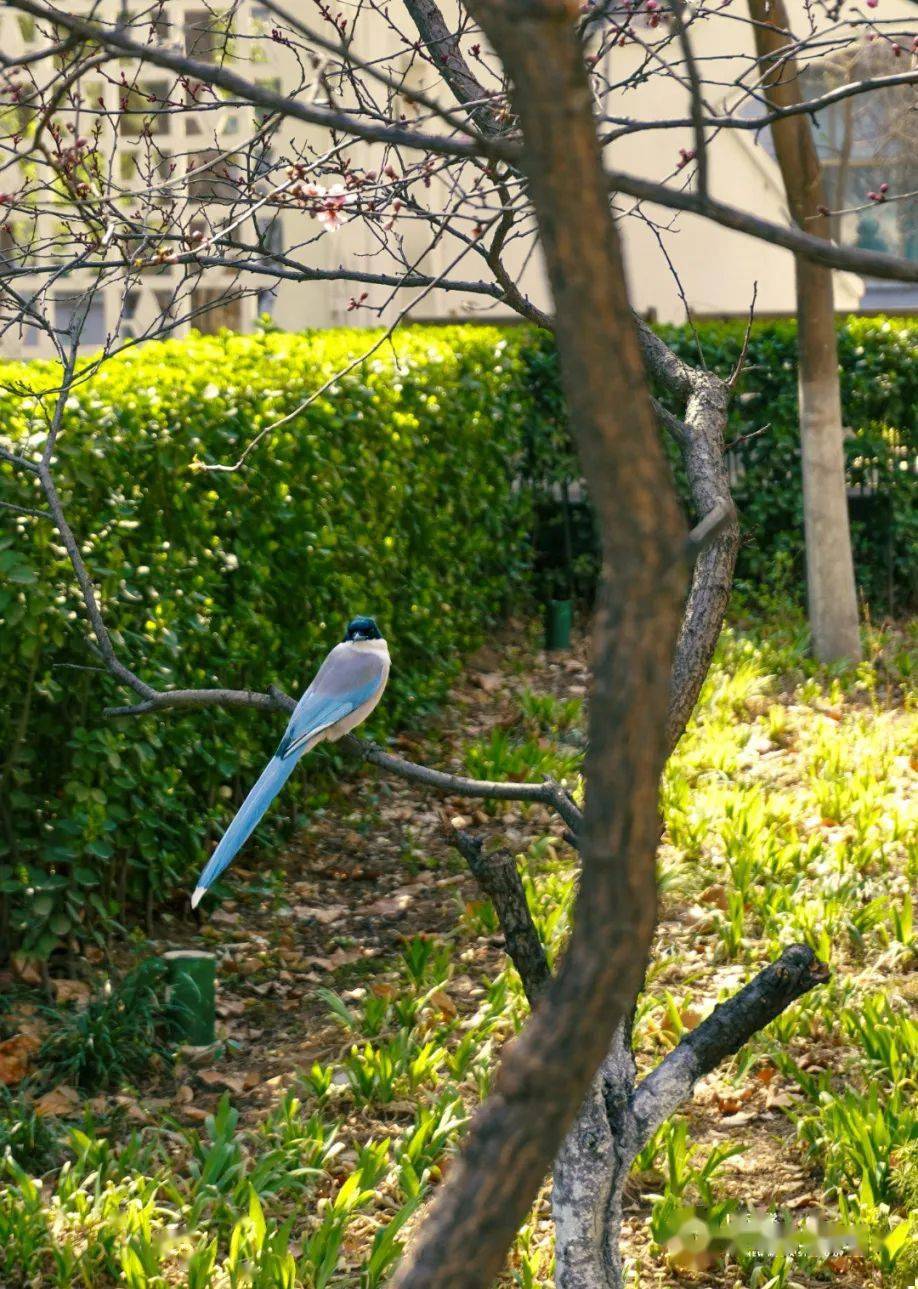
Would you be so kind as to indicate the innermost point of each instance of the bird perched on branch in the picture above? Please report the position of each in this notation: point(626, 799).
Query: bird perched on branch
point(345, 690)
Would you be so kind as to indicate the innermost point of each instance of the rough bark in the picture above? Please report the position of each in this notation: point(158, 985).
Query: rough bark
point(701, 443)
point(499, 878)
point(447, 56)
point(590, 1173)
point(546, 1072)
point(723, 1033)
point(829, 565)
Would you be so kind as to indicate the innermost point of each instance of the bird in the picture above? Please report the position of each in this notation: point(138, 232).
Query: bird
point(343, 693)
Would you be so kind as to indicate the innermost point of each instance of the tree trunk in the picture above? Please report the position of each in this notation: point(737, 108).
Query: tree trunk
point(593, 1164)
point(546, 1072)
point(590, 1174)
point(831, 594)
point(831, 590)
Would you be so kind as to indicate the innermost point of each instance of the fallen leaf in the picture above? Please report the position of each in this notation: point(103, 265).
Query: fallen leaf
point(690, 1017)
point(340, 958)
point(16, 1055)
point(485, 658)
point(184, 1095)
point(26, 969)
point(778, 1099)
point(317, 913)
point(737, 1120)
point(71, 991)
point(60, 1101)
point(133, 1109)
point(220, 1079)
point(23, 1017)
point(807, 1200)
point(729, 1105)
point(445, 1003)
point(716, 895)
point(230, 1007)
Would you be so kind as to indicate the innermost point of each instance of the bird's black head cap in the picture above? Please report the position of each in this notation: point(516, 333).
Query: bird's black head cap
point(362, 628)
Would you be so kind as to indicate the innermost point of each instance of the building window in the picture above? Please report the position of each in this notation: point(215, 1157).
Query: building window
point(863, 142)
point(70, 304)
point(206, 35)
point(214, 308)
point(211, 175)
point(146, 109)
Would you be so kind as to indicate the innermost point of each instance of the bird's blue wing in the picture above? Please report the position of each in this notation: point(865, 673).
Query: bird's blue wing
point(316, 711)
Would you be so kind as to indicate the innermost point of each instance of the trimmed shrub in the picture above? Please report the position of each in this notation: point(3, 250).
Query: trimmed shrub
point(397, 492)
point(879, 376)
point(391, 494)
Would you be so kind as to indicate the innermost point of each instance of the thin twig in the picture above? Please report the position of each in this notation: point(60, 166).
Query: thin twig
point(737, 370)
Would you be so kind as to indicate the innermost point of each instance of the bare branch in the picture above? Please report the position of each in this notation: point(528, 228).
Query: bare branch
point(499, 878)
point(548, 793)
point(113, 38)
point(849, 258)
point(726, 1030)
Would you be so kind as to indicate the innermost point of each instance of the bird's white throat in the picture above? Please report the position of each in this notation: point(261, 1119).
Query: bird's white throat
point(371, 646)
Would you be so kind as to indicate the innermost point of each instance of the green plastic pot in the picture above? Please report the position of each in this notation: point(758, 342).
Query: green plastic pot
point(558, 617)
point(191, 983)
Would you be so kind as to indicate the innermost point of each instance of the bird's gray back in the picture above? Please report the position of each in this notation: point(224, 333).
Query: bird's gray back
point(346, 669)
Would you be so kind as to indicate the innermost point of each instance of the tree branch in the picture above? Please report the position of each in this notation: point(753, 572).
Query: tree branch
point(851, 259)
point(113, 38)
point(446, 54)
point(722, 1034)
point(499, 878)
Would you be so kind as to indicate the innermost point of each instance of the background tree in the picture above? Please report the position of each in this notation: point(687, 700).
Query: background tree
point(831, 591)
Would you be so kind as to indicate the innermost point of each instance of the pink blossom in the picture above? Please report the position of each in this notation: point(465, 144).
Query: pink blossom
point(333, 204)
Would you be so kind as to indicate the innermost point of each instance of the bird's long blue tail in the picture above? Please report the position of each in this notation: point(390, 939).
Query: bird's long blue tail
point(273, 777)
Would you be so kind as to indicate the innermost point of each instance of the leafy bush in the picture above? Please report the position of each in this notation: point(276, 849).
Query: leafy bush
point(391, 494)
point(879, 379)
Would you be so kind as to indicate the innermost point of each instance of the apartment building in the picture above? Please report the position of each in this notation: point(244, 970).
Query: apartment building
point(179, 153)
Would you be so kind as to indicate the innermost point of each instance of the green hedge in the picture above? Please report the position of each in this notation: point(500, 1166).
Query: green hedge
point(879, 375)
point(392, 495)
